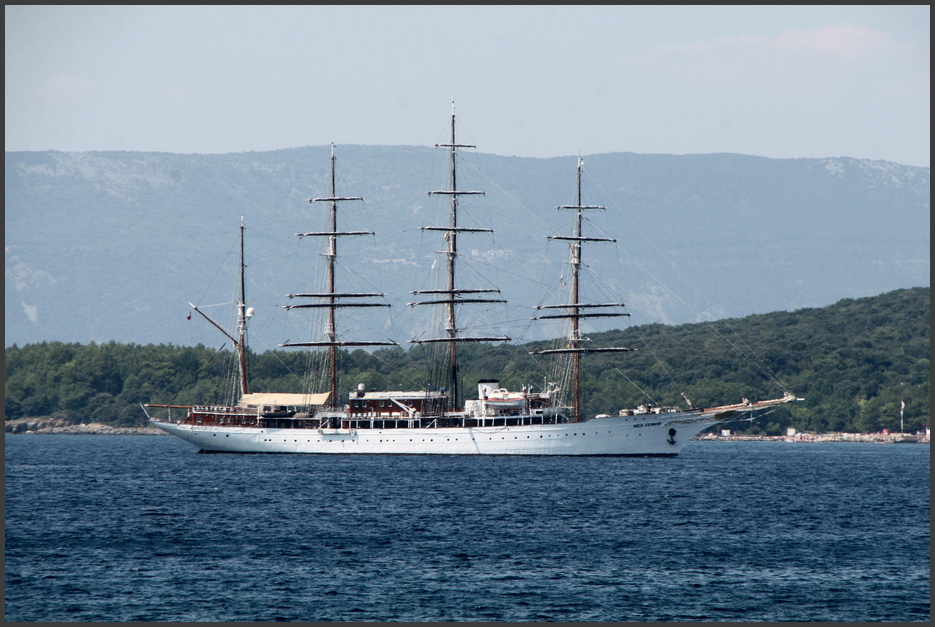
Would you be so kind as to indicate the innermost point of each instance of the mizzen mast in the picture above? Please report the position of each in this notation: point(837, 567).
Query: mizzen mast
point(331, 296)
point(452, 295)
point(573, 310)
point(242, 320)
point(243, 313)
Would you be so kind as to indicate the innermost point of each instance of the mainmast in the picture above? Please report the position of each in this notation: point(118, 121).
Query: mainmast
point(331, 296)
point(452, 293)
point(573, 309)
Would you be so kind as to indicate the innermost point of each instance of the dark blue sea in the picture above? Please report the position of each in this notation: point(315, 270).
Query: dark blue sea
point(142, 528)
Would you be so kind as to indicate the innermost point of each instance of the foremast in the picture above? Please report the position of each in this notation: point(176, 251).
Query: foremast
point(452, 295)
point(573, 310)
point(331, 297)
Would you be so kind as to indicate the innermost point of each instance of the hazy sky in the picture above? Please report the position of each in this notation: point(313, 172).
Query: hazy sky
point(528, 81)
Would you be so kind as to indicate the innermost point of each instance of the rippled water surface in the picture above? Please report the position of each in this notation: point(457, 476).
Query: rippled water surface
point(137, 528)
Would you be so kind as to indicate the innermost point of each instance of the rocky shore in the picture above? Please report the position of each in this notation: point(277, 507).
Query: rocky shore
point(883, 438)
point(57, 426)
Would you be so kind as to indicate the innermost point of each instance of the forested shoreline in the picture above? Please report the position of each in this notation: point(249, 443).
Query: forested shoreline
point(853, 362)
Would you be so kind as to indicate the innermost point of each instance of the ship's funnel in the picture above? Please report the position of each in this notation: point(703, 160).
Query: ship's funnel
point(486, 386)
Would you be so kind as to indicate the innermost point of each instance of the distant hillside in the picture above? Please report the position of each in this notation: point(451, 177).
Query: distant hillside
point(854, 362)
point(113, 245)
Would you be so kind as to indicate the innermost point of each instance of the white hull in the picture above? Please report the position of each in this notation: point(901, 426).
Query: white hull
point(646, 434)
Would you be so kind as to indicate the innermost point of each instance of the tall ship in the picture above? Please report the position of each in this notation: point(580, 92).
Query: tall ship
point(434, 421)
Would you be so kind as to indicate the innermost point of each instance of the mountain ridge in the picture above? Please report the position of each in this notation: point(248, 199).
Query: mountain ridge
point(112, 245)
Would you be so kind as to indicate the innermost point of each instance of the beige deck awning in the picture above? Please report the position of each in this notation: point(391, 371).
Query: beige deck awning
point(284, 399)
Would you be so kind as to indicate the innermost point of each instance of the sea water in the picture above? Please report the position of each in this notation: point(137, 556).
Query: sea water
point(137, 528)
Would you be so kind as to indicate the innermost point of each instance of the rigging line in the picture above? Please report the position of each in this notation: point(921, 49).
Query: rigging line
point(348, 271)
point(479, 277)
point(464, 133)
point(599, 229)
point(270, 291)
point(514, 348)
point(752, 417)
point(227, 304)
point(763, 369)
point(259, 339)
point(218, 271)
point(658, 361)
point(633, 383)
point(513, 198)
point(267, 250)
point(194, 376)
point(734, 386)
point(545, 371)
point(223, 394)
point(418, 273)
point(529, 277)
point(412, 382)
